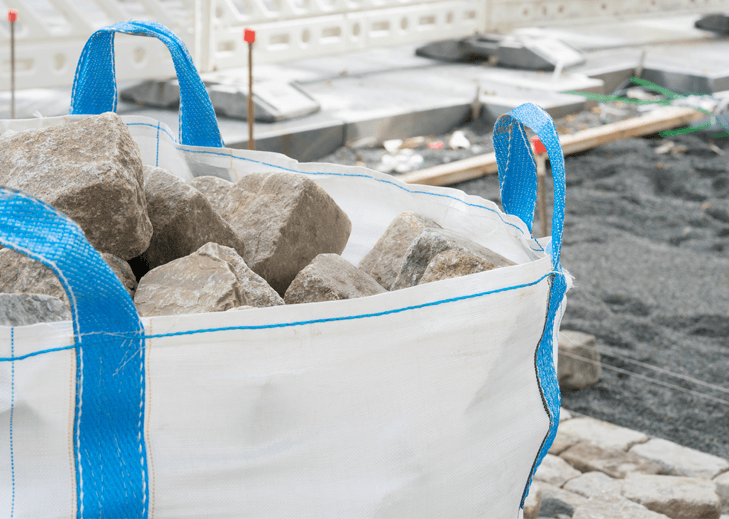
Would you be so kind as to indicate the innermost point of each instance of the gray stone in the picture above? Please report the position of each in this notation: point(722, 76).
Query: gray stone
point(681, 461)
point(562, 442)
point(557, 501)
point(564, 415)
point(555, 471)
point(533, 502)
point(578, 365)
point(587, 457)
point(591, 483)
point(722, 490)
point(601, 433)
point(611, 506)
point(430, 243)
point(454, 263)
point(215, 189)
point(286, 220)
point(90, 170)
point(384, 261)
point(26, 309)
point(674, 496)
point(330, 278)
point(182, 218)
point(22, 274)
point(253, 290)
point(204, 281)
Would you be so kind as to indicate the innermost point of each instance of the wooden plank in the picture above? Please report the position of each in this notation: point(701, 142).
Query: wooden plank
point(656, 121)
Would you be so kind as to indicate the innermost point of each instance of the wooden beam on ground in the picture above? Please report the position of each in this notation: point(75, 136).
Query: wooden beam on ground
point(656, 121)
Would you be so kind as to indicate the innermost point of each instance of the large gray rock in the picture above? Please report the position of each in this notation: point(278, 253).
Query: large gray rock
point(676, 497)
point(286, 220)
point(722, 490)
point(22, 274)
point(533, 502)
point(215, 189)
point(601, 433)
point(579, 360)
point(204, 281)
point(555, 471)
point(90, 170)
point(26, 309)
point(384, 261)
point(611, 506)
point(183, 219)
point(586, 457)
point(681, 461)
point(429, 244)
point(562, 442)
point(556, 501)
point(454, 263)
point(591, 483)
point(330, 278)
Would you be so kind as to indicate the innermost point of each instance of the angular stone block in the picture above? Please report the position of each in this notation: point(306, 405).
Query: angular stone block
point(591, 483)
point(182, 218)
point(603, 434)
point(286, 220)
point(90, 170)
point(722, 490)
point(579, 360)
point(611, 506)
point(533, 502)
point(429, 244)
point(555, 471)
point(674, 496)
point(587, 457)
point(27, 309)
point(678, 460)
point(454, 263)
point(562, 442)
point(215, 189)
point(330, 278)
point(384, 261)
point(202, 282)
point(556, 501)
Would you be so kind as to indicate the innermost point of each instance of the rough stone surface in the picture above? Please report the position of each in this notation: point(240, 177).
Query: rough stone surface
point(90, 170)
point(555, 471)
point(385, 259)
point(183, 219)
point(25, 309)
point(202, 282)
point(430, 243)
point(586, 457)
point(601, 433)
point(611, 506)
point(286, 220)
point(681, 461)
point(557, 501)
point(564, 415)
point(579, 360)
point(676, 497)
point(722, 490)
point(122, 270)
point(562, 442)
point(253, 290)
point(215, 189)
point(533, 502)
point(330, 278)
point(591, 483)
point(454, 263)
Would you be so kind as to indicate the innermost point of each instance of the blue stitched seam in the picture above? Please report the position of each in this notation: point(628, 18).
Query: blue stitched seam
point(295, 323)
point(156, 160)
point(12, 404)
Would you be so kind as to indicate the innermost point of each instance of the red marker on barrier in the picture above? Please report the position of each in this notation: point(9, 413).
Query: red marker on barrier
point(12, 18)
point(540, 157)
point(249, 36)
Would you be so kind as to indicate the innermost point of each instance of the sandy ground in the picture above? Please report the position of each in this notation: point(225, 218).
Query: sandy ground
point(647, 240)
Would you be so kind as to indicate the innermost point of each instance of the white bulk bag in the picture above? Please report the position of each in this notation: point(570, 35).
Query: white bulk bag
point(436, 401)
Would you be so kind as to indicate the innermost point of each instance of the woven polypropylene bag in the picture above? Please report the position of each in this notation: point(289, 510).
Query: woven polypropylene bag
point(435, 401)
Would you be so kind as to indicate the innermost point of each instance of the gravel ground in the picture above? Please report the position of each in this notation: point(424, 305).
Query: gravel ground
point(647, 240)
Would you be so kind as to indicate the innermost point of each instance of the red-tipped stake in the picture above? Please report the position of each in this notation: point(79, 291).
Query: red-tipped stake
point(12, 18)
point(540, 156)
point(249, 37)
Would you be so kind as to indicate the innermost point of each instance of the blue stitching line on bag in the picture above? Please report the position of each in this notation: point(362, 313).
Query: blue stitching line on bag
point(156, 160)
point(298, 323)
point(12, 407)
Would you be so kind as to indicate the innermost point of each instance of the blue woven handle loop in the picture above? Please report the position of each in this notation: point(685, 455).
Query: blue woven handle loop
point(94, 87)
point(517, 170)
point(109, 416)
